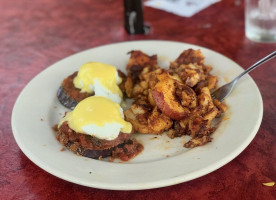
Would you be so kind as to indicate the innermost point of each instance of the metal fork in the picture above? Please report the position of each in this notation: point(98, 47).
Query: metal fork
point(222, 92)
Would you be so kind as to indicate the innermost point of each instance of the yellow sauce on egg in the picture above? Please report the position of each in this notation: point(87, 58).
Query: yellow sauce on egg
point(97, 111)
point(106, 74)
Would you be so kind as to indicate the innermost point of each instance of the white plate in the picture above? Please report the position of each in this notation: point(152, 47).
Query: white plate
point(163, 162)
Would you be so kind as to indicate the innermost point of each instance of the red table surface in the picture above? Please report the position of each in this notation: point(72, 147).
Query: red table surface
point(36, 34)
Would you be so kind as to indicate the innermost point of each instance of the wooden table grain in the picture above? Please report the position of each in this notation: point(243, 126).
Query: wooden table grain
point(36, 34)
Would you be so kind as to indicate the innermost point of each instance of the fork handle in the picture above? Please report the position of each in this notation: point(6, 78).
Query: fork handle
point(263, 60)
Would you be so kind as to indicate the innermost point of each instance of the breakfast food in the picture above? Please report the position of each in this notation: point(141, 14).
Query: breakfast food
point(176, 101)
point(93, 78)
point(96, 128)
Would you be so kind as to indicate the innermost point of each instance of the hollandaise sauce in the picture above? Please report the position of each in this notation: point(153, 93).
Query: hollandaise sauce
point(99, 117)
point(100, 78)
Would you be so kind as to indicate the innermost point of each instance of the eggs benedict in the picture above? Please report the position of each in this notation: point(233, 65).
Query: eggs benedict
point(92, 79)
point(94, 128)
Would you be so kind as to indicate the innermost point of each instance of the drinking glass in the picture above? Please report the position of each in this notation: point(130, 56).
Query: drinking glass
point(260, 20)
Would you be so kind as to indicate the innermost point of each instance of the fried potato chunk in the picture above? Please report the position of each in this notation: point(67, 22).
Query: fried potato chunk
point(191, 74)
point(147, 121)
point(138, 60)
point(221, 106)
point(141, 69)
point(190, 56)
point(212, 82)
point(189, 66)
point(166, 100)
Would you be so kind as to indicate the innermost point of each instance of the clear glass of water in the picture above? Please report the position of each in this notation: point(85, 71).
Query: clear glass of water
point(260, 20)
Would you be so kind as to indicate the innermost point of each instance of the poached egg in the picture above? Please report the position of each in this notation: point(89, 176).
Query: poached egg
point(100, 78)
point(98, 116)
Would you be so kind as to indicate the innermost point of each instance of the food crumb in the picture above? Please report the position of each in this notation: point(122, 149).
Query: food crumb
point(44, 145)
point(206, 25)
point(270, 184)
point(62, 149)
point(128, 151)
point(155, 137)
point(41, 119)
point(55, 107)
point(90, 172)
point(55, 128)
point(226, 79)
point(225, 118)
point(60, 113)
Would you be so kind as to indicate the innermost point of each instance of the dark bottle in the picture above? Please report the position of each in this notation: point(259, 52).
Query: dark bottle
point(134, 22)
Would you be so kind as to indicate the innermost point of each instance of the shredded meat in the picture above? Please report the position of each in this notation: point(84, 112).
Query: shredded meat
point(127, 151)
